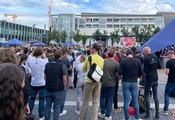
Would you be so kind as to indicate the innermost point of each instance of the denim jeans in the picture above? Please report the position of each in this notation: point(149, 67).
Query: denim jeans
point(79, 89)
point(130, 88)
point(42, 93)
point(116, 95)
point(64, 99)
point(55, 98)
point(148, 86)
point(109, 91)
point(168, 89)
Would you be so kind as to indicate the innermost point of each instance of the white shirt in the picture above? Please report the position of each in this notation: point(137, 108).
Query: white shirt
point(77, 61)
point(37, 66)
point(80, 72)
point(30, 58)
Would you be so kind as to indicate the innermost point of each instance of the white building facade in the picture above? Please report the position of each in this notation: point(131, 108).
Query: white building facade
point(88, 23)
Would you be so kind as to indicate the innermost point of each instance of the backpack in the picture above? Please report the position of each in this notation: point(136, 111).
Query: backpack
point(95, 73)
point(142, 107)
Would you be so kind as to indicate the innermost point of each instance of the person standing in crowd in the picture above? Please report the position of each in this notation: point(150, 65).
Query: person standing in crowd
point(91, 88)
point(170, 85)
point(151, 64)
point(105, 53)
point(122, 55)
point(130, 69)
point(8, 56)
point(88, 53)
point(76, 63)
point(138, 56)
point(81, 78)
point(11, 92)
point(65, 61)
point(49, 55)
point(37, 66)
point(109, 79)
point(56, 80)
point(70, 58)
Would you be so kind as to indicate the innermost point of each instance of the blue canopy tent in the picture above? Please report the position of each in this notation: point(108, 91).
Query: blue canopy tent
point(163, 38)
point(39, 44)
point(14, 42)
point(69, 44)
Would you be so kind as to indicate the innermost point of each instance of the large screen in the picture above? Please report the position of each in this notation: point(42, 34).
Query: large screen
point(128, 41)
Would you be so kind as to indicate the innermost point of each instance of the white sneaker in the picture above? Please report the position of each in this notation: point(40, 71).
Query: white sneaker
point(139, 119)
point(100, 115)
point(77, 112)
point(108, 118)
point(63, 113)
point(41, 118)
point(51, 110)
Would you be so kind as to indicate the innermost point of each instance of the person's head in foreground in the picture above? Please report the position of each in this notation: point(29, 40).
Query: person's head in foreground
point(146, 51)
point(11, 94)
point(171, 54)
point(7, 55)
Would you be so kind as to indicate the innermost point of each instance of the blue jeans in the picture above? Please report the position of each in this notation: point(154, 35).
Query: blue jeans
point(168, 89)
point(64, 99)
point(55, 98)
point(42, 93)
point(130, 88)
point(109, 91)
point(148, 86)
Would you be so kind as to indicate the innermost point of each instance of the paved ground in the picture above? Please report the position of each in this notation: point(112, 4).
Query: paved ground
point(70, 104)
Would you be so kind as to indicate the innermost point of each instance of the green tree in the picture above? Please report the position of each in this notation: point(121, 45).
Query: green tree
point(125, 32)
point(105, 33)
point(49, 37)
point(114, 36)
point(63, 36)
point(77, 36)
point(84, 39)
point(137, 33)
point(96, 33)
point(55, 35)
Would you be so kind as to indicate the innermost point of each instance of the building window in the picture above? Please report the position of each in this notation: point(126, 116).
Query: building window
point(130, 26)
point(123, 20)
point(116, 26)
point(116, 20)
point(136, 20)
point(95, 20)
point(95, 26)
point(81, 26)
point(88, 20)
point(123, 26)
point(109, 26)
point(143, 20)
point(82, 21)
point(150, 19)
point(109, 20)
point(129, 20)
point(88, 26)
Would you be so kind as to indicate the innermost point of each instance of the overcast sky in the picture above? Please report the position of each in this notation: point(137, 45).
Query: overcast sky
point(38, 8)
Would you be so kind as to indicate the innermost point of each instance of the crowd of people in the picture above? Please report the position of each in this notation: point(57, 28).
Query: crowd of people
point(48, 73)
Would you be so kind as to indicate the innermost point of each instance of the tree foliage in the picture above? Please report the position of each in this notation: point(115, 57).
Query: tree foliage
point(114, 36)
point(84, 39)
point(77, 36)
point(63, 36)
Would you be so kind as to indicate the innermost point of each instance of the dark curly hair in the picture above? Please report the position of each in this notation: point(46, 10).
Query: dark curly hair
point(11, 94)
